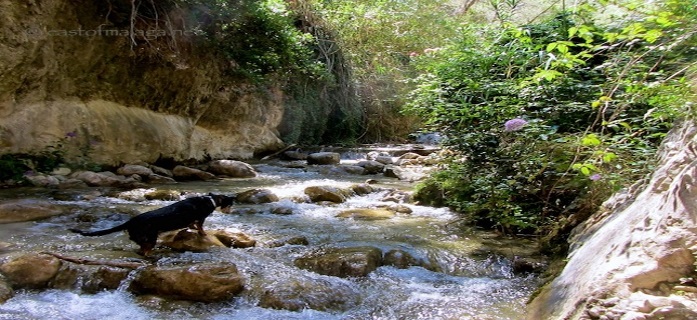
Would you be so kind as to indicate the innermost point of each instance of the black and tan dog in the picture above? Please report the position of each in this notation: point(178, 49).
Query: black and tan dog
point(143, 229)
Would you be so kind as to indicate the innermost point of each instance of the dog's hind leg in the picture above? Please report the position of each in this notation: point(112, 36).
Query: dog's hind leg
point(145, 249)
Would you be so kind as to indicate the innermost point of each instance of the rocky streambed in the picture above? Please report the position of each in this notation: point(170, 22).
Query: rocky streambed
point(305, 240)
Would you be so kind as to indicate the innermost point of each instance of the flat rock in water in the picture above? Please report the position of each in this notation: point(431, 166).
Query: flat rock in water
point(343, 262)
point(205, 282)
point(28, 210)
point(367, 214)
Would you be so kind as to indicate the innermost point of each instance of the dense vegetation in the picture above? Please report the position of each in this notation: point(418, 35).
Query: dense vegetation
point(546, 119)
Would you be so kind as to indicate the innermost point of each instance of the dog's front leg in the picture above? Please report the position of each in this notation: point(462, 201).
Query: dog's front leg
point(199, 226)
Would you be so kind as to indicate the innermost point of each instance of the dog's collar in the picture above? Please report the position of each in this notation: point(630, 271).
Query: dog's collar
point(212, 201)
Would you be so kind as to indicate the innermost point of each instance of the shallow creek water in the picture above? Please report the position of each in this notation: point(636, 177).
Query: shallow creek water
point(473, 282)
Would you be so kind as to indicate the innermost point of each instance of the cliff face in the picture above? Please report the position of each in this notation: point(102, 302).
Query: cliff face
point(79, 75)
point(627, 261)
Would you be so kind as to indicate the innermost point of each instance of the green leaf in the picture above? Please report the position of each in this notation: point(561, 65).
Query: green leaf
point(609, 157)
point(590, 140)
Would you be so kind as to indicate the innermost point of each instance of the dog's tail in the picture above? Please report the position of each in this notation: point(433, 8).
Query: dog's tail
point(100, 232)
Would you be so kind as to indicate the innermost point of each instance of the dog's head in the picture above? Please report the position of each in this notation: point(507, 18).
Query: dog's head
point(222, 201)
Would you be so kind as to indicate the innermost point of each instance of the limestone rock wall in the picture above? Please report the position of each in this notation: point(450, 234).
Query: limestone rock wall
point(626, 260)
point(66, 82)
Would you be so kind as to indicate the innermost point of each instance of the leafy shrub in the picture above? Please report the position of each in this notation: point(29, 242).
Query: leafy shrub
point(592, 102)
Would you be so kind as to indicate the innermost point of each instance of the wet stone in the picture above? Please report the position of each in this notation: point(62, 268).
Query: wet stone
point(6, 291)
point(343, 262)
point(256, 196)
point(165, 195)
point(324, 158)
point(31, 271)
point(89, 279)
point(400, 259)
point(232, 168)
point(28, 210)
point(294, 240)
point(205, 282)
point(296, 294)
point(327, 193)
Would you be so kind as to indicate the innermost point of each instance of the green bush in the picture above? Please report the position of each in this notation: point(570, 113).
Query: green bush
point(591, 103)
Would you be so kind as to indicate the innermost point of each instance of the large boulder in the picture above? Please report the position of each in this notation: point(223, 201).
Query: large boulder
point(324, 158)
point(327, 193)
point(256, 196)
point(232, 168)
point(106, 179)
point(342, 262)
point(28, 210)
point(205, 282)
point(42, 180)
point(296, 293)
point(187, 173)
point(372, 166)
point(406, 174)
point(165, 195)
point(89, 278)
point(191, 240)
point(31, 271)
point(131, 169)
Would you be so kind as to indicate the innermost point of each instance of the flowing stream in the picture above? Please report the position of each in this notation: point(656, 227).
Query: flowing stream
point(473, 277)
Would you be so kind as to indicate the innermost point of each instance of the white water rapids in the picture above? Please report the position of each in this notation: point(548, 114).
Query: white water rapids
point(473, 282)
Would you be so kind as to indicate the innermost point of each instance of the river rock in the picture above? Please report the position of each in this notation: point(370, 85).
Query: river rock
point(324, 158)
point(340, 170)
point(256, 196)
point(6, 291)
point(186, 173)
point(405, 174)
point(164, 195)
point(189, 240)
point(89, 278)
point(42, 180)
point(232, 168)
point(28, 210)
point(362, 189)
point(366, 214)
point(31, 271)
point(398, 196)
point(400, 208)
point(106, 179)
point(234, 239)
point(71, 183)
point(384, 159)
point(157, 178)
point(296, 293)
point(161, 171)
point(371, 166)
point(294, 155)
point(342, 262)
point(400, 259)
point(205, 282)
point(292, 240)
point(327, 193)
point(409, 156)
point(131, 169)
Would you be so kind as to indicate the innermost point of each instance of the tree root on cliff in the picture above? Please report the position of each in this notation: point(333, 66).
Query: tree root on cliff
point(109, 263)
